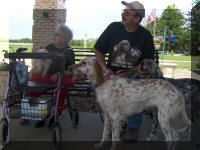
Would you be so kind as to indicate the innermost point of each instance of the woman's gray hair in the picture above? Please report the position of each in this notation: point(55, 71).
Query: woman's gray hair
point(66, 32)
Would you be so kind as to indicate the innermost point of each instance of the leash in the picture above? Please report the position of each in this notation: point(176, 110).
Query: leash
point(107, 76)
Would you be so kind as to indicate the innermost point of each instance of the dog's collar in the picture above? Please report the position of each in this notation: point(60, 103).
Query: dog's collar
point(107, 76)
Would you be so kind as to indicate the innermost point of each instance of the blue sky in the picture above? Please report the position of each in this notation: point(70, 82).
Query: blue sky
point(91, 16)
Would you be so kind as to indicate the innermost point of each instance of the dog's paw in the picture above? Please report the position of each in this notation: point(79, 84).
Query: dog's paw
point(98, 146)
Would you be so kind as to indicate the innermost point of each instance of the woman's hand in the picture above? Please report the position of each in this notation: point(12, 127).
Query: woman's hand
point(78, 78)
point(54, 77)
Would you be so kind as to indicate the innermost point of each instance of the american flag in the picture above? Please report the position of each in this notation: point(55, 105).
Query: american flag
point(152, 16)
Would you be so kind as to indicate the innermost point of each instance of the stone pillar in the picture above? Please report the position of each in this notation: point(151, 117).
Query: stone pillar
point(47, 15)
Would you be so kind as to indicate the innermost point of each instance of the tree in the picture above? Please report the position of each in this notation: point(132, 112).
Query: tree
point(175, 23)
point(194, 2)
point(195, 34)
point(79, 43)
point(76, 43)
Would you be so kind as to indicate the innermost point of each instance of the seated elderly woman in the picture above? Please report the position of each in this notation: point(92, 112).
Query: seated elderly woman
point(61, 38)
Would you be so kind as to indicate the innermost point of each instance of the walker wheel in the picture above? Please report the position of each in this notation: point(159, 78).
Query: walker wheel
point(75, 118)
point(56, 134)
point(4, 130)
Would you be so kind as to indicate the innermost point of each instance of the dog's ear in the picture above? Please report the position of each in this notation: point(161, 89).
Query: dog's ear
point(99, 72)
point(156, 72)
point(159, 73)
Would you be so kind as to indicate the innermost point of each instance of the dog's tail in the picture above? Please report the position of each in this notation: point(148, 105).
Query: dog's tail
point(184, 117)
point(186, 121)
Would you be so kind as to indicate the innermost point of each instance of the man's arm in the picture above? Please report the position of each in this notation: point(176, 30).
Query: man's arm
point(101, 59)
point(149, 47)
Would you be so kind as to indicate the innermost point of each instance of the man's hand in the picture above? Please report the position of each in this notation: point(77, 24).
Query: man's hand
point(123, 73)
point(126, 74)
point(142, 73)
point(135, 69)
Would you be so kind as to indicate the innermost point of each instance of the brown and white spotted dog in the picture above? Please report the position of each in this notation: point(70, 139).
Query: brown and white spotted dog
point(122, 97)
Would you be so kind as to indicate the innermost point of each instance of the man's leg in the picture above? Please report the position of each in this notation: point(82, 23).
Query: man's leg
point(134, 123)
point(132, 131)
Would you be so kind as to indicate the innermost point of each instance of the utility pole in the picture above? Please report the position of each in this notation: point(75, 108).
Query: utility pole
point(85, 40)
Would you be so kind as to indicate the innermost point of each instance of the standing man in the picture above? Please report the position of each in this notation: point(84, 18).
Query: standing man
point(139, 38)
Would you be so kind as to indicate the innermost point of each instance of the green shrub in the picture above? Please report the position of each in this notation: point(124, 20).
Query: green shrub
point(158, 41)
point(172, 53)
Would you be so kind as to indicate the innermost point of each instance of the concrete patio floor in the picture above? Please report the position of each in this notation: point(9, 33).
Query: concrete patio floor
point(89, 130)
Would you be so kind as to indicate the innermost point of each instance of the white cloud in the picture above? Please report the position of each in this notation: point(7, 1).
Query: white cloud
point(6, 9)
point(4, 19)
point(20, 4)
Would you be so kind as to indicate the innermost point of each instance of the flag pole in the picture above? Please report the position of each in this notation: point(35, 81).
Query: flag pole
point(154, 29)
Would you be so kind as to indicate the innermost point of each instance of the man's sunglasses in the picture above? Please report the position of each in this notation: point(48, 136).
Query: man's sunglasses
point(126, 13)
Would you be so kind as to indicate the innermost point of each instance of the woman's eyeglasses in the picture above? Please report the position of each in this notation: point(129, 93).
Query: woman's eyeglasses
point(57, 34)
point(126, 13)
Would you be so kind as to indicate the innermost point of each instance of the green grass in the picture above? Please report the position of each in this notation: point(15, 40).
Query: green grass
point(178, 58)
point(194, 58)
point(183, 65)
point(13, 48)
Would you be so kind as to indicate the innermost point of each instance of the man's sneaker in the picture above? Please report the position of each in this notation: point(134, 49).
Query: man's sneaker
point(130, 135)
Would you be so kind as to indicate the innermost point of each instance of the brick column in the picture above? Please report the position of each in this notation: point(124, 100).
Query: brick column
point(47, 15)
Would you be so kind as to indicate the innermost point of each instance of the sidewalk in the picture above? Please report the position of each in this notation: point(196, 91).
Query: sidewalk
point(90, 128)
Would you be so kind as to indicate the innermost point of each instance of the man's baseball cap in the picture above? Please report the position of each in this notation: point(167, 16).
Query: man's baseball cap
point(136, 6)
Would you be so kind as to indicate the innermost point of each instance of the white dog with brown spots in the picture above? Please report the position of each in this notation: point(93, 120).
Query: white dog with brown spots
point(122, 97)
